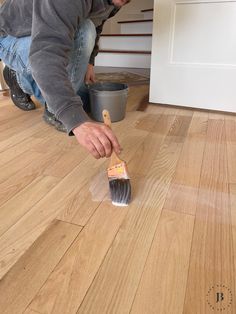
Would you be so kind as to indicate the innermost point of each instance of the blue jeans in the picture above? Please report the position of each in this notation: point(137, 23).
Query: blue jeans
point(14, 52)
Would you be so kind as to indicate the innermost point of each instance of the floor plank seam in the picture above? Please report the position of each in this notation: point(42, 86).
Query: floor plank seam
point(32, 310)
point(70, 223)
point(191, 247)
point(12, 160)
point(25, 187)
point(180, 213)
point(10, 146)
point(34, 204)
point(97, 208)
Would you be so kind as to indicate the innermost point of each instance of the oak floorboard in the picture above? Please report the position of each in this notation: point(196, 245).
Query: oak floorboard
point(26, 277)
point(134, 96)
point(230, 125)
point(211, 268)
point(19, 179)
point(67, 285)
point(18, 137)
point(8, 111)
point(29, 311)
point(183, 192)
point(155, 292)
point(155, 123)
point(17, 150)
point(18, 163)
point(18, 124)
point(233, 217)
point(17, 206)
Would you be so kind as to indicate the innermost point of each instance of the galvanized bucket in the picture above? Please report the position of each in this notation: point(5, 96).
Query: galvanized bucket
point(110, 96)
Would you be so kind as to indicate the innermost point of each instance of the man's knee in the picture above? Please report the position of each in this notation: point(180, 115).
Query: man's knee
point(87, 31)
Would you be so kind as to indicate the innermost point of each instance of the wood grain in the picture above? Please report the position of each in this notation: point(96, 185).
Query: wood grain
point(230, 125)
point(82, 264)
point(163, 291)
point(27, 276)
point(113, 289)
point(161, 254)
point(183, 192)
point(212, 260)
point(81, 204)
point(22, 202)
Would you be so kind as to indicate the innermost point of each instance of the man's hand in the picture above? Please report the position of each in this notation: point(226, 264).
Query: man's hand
point(97, 138)
point(90, 75)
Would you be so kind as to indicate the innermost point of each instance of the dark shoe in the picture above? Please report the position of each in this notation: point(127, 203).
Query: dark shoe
point(50, 118)
point(19, 98)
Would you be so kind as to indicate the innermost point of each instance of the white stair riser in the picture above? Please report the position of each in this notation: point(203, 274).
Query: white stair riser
point(136, 28)
point(132, 16)
point(148, 15)
point(123, 60)
point(126, 43)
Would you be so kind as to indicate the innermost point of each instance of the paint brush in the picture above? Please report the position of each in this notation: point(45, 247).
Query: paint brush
point(119, 181)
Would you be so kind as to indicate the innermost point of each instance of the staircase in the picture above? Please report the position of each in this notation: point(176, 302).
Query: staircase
point(131, 47)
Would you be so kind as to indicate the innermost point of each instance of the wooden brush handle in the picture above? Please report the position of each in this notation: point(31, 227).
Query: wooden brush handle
point(107, 121)
point(106, 118)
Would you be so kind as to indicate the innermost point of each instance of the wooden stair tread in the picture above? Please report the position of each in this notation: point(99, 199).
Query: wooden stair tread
point(126, 51)
point(147, 10)
point(135, 21)
point(126, 35)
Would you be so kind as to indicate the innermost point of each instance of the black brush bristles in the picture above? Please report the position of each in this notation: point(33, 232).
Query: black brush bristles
point(119, 181)
point(120, 190)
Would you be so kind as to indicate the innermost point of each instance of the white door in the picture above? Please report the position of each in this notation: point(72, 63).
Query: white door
point(194, 54)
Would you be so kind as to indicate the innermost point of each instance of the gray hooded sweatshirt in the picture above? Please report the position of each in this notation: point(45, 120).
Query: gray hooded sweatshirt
point(52, 25)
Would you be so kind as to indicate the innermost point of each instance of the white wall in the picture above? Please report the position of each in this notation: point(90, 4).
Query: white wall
point(128, 12)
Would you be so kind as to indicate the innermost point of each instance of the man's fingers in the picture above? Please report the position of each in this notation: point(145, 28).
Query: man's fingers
point(99, 140)
point(107, 145)
point(99, 146)
point(113, 139)
point(92, 149)
point(108, 140)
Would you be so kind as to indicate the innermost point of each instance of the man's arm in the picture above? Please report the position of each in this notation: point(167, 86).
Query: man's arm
point(53, 28)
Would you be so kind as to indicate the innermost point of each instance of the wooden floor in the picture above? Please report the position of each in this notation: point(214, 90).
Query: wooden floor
point(65, 249)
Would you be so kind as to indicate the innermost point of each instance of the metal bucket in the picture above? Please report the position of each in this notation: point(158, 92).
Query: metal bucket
point(109, 96)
